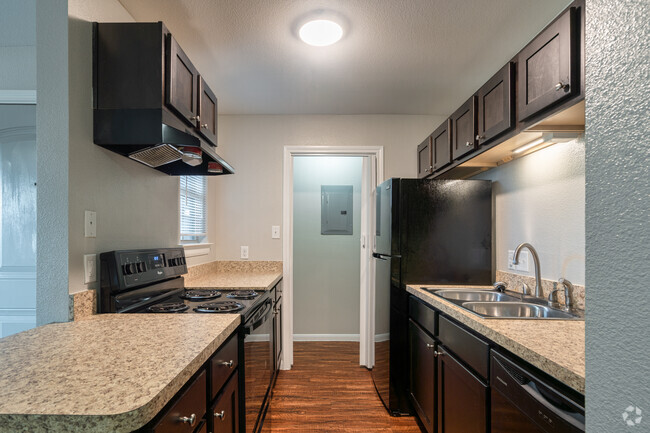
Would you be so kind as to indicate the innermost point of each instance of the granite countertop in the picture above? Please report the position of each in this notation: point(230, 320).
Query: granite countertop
point(235, 275)
point(109, 373)
point(556, 347)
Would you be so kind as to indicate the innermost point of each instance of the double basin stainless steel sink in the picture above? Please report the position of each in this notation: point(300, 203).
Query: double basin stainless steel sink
point(498, 305)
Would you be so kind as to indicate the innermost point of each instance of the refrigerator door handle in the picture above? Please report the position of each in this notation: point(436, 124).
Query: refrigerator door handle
point(378, 256)
point(385, 256)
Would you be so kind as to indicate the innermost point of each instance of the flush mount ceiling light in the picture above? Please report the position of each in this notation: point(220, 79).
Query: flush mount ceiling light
point(320, 33)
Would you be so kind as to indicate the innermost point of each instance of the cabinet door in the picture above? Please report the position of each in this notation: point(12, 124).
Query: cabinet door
point(462, 397)
point(425, 166)
point(423, 375)
point(496, 113)
point(224, 414)
point(186, 413)
point(277, 333)
point(463, 127)
point(181, 80)
point(441, 146)
point(548, 67)
point(207, 112)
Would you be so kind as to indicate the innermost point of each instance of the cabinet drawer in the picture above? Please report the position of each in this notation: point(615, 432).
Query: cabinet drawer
point(471, 349)
point(423, 315)
point(190, 405)
point(222, 364)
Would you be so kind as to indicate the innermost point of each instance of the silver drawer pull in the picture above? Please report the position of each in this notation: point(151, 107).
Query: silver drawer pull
point(468, 144)
point(561, 86)
point(204, 126)
point(228, 364)
point(191, 420)
point(430, 346)
point(436, 353)
point(221, 415)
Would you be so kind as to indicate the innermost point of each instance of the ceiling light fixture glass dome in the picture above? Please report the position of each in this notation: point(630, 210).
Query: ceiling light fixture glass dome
point(320, 33)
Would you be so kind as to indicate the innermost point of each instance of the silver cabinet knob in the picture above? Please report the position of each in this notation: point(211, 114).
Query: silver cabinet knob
point(195, 118)
point(228, 364)
point(468, 144)
point(191, 420)
point(480, 137)
point(436, 353)
point(221, 415)
point(430, 346)
point(561, 86)
point(204, 126)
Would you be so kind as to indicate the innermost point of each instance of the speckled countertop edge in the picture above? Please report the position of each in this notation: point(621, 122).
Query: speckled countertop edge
point(234, 275)
point(556, 347)
point(35, 417)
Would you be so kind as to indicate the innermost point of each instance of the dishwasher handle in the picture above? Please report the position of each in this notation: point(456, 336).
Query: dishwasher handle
point(539, 401)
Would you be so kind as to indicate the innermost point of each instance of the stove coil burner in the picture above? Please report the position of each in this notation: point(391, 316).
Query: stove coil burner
point(219, 307)
point(168, 307)
point(242, 294)
point(200, 295)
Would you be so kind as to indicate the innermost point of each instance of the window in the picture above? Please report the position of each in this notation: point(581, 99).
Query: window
point(192, 208)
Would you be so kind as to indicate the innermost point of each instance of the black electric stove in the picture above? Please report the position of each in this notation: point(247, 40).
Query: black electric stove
point(150, 281)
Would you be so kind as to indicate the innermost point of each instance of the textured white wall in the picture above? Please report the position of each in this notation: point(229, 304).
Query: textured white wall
point(540, 199)
point(617, 206)
point(326, 268)
point(18, 45)
point(52, 161)
point(249, 202)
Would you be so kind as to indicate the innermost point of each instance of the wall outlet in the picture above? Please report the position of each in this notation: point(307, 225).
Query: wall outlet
point(275, 232)
point(90, 224)
point(244, 252)
point(522, 264)
point(90, 268)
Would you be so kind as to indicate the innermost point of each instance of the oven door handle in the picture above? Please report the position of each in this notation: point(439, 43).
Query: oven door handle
point(248, 328)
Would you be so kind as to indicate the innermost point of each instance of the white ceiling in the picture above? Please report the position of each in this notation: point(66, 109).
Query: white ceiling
point(396, 56)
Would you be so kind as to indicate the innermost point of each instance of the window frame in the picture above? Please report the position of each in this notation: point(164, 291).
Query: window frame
point(194, 188)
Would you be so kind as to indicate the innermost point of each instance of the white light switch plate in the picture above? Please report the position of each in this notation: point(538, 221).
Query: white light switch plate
point(90, 224)
point(90, 268)
point(244, 252)
point(275, 232)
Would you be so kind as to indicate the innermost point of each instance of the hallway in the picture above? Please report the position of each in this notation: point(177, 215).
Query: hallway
point(327, 391)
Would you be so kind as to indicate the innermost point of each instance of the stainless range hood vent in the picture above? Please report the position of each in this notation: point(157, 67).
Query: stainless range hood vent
point(157, 155)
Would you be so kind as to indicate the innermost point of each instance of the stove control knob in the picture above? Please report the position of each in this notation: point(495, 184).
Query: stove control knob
point(141, 267)
point(129, 268)
point(173, 262)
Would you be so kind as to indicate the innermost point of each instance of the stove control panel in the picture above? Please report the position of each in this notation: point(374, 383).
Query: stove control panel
point(133, 268)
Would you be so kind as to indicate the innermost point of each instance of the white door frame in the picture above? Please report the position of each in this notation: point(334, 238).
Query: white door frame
point(374, 171)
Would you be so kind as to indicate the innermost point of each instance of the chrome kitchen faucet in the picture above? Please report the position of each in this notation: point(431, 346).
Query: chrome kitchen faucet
point(538, 278)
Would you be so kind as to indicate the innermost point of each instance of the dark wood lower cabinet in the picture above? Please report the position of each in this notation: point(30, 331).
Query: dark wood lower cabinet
point(224, 413)
point(185, 415)
point(423, 375)
point(462, 397)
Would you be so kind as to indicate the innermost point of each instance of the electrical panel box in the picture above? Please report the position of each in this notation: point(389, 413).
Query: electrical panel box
point(336, 209)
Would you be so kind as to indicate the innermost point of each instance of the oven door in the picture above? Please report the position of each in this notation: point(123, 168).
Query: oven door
point(258, 363)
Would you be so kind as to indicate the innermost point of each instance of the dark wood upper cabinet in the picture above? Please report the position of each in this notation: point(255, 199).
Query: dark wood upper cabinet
point(181, 82)
point(441, 145)
point(425, 165)
point(463, 128)
point(496, 107)
point(207, 112)
point(549, 67)
point(462, 397)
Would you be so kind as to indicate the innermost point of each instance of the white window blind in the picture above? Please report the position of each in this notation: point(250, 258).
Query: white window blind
point(192, 207)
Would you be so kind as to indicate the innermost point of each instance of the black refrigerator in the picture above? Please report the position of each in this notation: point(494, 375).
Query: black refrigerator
point(427, 232)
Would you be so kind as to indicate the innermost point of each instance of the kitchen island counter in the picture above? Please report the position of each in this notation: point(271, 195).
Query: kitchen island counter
point(109, 373)
point(556, 347)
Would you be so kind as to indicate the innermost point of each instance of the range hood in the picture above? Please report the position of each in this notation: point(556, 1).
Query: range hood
point(146, 136)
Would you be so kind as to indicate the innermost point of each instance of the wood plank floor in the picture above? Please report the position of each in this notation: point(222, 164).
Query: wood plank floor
point(327, 391)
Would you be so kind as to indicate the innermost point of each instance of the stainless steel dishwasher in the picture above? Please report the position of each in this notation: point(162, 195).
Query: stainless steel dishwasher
point(522, 402)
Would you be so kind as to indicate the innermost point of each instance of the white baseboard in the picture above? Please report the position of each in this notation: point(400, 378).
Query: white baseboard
point(325, 337)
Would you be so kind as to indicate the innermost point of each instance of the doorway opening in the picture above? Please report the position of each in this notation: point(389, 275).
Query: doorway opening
point(17, 218)
point(328, 198)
